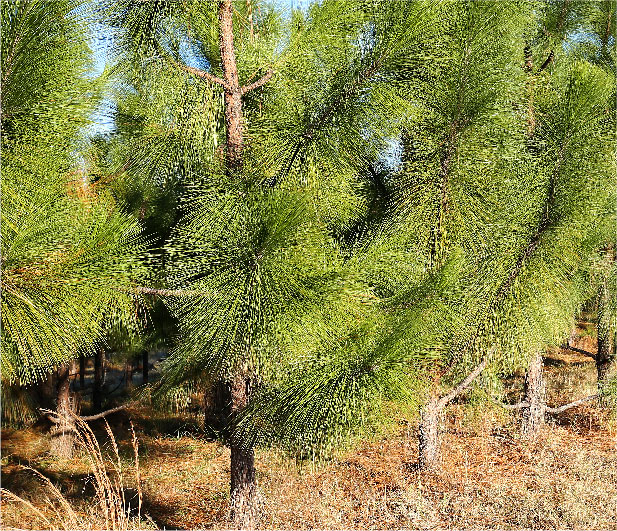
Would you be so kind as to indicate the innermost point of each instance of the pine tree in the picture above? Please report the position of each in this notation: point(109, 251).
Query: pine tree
point(68, 251)
point(258, 250)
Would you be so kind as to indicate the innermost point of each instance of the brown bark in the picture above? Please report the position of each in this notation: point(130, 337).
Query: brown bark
point(128, 370)
point(535, 397)
point(233, 90)
point(244, 499)
point(217, 403)
point(82, 371)
point(429, 455)
point(97, 388)
point(605, 358)
point(62, 442)
point(244, 507)
point(429, 450)
point(144, 368)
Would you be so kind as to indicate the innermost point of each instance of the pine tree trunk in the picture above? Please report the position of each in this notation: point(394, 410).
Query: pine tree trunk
point(429, 451)
point(62, 442)
point(144, 366)
point(535, 395)
point(97, 388)
point(233, 92)
point(605, 358)
point(128, 370)
point(429, 455)
point(244, 509)
point(244, 499)
point(82, 371)
point(217, 403)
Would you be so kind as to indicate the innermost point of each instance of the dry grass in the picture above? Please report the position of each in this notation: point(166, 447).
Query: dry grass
point(110, 507)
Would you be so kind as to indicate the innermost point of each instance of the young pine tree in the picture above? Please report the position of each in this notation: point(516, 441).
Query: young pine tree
point(68, 251)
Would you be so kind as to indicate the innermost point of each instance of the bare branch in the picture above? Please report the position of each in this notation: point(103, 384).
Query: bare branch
point(104, 413)
point(168, 292)
point(579, 350)
point(446, 399)
point(262, 81)
point(548, 61)
point(563, 408)
point(55, 417)
point(519, 405)
point(203, 74)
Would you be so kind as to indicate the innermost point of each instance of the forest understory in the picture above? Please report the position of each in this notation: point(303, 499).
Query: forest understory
point(491, 477)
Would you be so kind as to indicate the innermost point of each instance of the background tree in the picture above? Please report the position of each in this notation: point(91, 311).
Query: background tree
point(68, 251)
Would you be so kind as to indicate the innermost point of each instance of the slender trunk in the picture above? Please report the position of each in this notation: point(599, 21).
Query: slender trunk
point(97, 388)
point(244, 499)
point(128, 370)
point(429, 452)
point(233, 91)
point(217, 403)
point(62, 442)
point(535, 395)
point(82, 371)
point(605, 358)
point(46, 391)
point(144, 367)
point(429, 455)
point(244, 507)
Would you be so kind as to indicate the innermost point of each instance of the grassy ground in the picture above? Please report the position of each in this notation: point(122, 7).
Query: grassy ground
point(491, 478)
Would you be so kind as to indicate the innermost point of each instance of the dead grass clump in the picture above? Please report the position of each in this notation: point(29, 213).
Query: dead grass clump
point(114, 506)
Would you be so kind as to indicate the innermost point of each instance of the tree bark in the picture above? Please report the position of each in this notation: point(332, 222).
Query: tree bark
point(97, 388)
point(429, 455)
point(217, 404)
point(429, 451)
point(244, 506)
point(144, 366)
point(128, 370)
point(244, 499)
point(535, 396)
point(233, 90)
point(62, 442)
point(82, 371)
point(605, 358)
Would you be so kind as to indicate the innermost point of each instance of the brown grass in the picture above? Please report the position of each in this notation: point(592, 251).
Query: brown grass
point(110, 507)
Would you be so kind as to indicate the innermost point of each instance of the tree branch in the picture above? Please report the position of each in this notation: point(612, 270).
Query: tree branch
point(55, 417)
point(519, 405)
point(563, 408)
point(262, 81)
point(446, 399)
point(104, 413)
point(168, 292)
point(579, 350)
point(203, 74)
point(548, 61)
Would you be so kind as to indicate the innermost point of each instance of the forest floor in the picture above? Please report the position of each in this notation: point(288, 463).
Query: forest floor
point(491, 478)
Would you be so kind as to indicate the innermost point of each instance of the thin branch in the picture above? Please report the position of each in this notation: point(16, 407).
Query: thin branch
point(446, 399)
point(167, 292)
point(203, 74)
point(192, 70)
point(519, 405)
point(104, 413)
point(548, 61)
point(262, 81)
point(563, 408)
point(579, 350)
point(54, 416)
